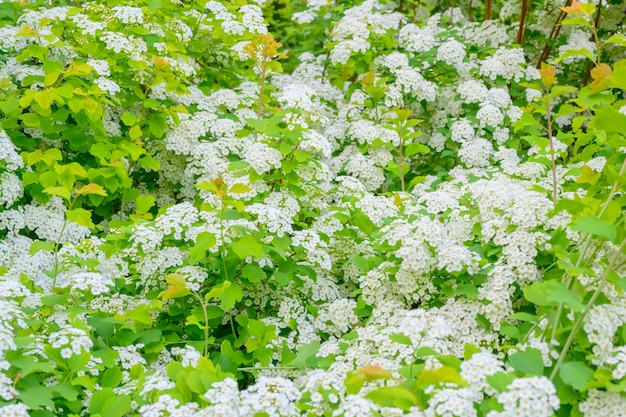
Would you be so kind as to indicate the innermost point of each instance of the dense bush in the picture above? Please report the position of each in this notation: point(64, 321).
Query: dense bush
point(327, 208)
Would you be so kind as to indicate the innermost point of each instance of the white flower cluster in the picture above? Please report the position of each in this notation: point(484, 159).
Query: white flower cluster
point(274, 396)
point(71, 341)
point(337, 318)
point(601, 324)
point(8, 153)
point(130, 356)
point(534, 396)
point(128, 14)
point(603, 403)
point(352, 32)
point(14, 410)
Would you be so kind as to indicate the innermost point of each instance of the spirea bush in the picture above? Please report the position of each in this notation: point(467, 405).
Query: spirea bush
point(321, 208)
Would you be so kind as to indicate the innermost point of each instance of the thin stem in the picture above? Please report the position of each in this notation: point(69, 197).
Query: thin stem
point(469, 12)
point(587, 241)
point(488, 12)
point(263, 75)
point(452, 12)
point(552, 156)
point(402, 163)
point(556, 29)
point(590, 304)
point(205, 328)
point(223, 248)
point(522, 20)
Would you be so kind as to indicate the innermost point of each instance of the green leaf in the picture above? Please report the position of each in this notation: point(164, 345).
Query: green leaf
point(401, 338)
point(60, 191)
point(442, 375)
point(37, 397)
point(30, 119)
point(129, 119)
point(112, 377)
point(80, 216)
point(608, 119)
point(106, 403)
point(204, 242)
point(177, 287)
point(38, 245)
point(551, 292)
point(92, 189)
point(248, 246)
point(217, 291)
point(579, 20)
point(44, 98)
point(600, 228)
point(393, 396)
point(576, 52)
point(524, 317)
point(135, 132)
point(232, 294)
point(528, 361)
point(576, 374)
point(239, 189)
point(253, 273)
point(306, 357)
point(364, 223)
point(144, 203)
point(355, 380)
point(500, 380)
point(415, 148)
point(29, 364)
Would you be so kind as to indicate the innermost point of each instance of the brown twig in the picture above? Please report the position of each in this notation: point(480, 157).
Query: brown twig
point(522, 21)
point(556, 29)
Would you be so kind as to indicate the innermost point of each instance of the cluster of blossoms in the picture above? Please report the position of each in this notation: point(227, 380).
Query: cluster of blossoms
point(287, 243)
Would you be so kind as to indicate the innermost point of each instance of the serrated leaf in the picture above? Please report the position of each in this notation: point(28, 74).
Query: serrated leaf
point(306, 356)
point(253, 273)
point(106, 403)
point(576, 52)
point(601, 75)
point(217, 291)
point(92, 189)
point(442, 375)
point(600, 228)
point(415, 148)
point(204, 242)
point(80, 216)
point(401, 338)
point(144, 203)
point(135, 132)
point(44, 98)
point(248, 246)
point(39, 245)
point(177, 287)
point(60, 191)
point(37, 397)
point(528, 361)
point(551, 292)
point(239, 189)
point(576, 374)
point(393, 396)
point(129, 119)
point(231, 296)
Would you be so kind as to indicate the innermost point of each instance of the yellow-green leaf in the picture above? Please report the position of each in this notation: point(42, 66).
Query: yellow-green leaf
point(92, 189)
point(239, 189)
point(135, 132)
point(44, 98)
point(80, 216)
point(59, 191)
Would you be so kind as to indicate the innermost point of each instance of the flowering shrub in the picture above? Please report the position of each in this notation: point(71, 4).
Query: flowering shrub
point(312, 209)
